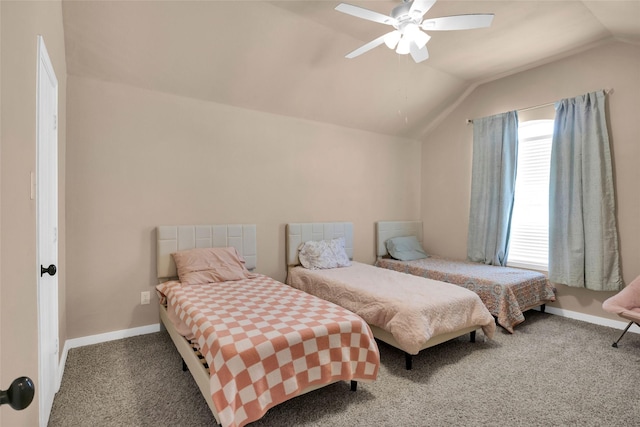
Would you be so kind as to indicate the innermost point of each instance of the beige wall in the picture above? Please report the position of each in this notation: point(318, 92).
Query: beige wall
point(1, 138)
point(21, 22)
point(137, 159)
point(447, 153)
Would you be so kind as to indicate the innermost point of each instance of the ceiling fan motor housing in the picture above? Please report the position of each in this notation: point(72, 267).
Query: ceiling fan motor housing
point(403, 17)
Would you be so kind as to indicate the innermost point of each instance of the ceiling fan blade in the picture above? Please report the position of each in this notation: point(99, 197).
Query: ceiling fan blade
point(360, 12)
point(367, 47)
point(458, 22)
point(418, 54)
point(421, 6)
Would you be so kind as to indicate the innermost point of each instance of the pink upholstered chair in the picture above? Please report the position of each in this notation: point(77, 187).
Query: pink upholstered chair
point(625, 304)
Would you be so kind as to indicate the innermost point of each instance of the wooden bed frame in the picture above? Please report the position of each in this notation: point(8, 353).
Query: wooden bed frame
point(173, 238)
point(298, 233)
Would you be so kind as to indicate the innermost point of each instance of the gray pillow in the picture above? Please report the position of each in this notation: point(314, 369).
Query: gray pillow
point(405, 248)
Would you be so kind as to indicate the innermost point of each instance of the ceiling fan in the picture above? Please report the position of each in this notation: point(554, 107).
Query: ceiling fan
point(407, 19)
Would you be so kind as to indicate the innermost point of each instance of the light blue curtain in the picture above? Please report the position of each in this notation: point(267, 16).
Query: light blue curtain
point(493, 180)
point(583, 236)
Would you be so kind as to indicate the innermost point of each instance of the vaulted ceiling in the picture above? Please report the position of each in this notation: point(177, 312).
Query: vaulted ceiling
point(287, 57)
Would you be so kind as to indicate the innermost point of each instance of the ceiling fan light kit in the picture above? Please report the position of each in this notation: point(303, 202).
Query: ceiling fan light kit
point(391, 39)
point(407, 19)
point(418, 37)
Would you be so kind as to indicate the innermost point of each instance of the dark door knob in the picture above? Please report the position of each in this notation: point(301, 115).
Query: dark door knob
point(51, 270)
point(19, 395)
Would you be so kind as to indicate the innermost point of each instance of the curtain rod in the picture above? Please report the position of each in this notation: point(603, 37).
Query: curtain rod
point(606, 91)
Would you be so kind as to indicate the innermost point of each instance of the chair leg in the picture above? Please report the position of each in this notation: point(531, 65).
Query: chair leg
point(615, 344)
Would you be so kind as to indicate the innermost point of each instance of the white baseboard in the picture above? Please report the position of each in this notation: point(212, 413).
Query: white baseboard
point(597, 320)
point(99, 338)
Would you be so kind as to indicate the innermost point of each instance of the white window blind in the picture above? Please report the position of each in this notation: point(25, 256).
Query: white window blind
point(529, 238)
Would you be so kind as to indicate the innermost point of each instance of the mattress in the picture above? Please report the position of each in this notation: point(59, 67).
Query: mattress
point(506, 292)
point(265, 342)
point(412, 309)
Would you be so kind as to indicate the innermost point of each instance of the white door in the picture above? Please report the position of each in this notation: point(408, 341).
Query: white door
point(47, 231)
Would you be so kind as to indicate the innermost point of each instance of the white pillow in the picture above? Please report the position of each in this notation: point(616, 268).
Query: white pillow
point(321, 254)
point(338, 248)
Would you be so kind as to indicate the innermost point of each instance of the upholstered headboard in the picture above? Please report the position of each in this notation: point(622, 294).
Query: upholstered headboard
point(173, 238)
point(303, 232)
point(385, 230)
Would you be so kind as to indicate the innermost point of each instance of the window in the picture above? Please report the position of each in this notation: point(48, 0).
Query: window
point(529, 238)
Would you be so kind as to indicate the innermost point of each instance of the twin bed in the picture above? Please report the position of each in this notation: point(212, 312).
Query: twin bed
point(264, 341)
point(506, 292)
point(405, 311)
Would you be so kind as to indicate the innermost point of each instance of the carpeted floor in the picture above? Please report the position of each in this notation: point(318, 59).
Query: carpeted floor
point(553, 371)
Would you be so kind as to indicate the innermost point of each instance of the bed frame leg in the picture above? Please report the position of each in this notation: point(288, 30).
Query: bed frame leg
point(184, 366)
point(543, 307)
point(472, 336)
point(408, 361)
point(354, 385)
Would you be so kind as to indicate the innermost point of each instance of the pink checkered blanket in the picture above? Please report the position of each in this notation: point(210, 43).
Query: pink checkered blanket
point(265, 342)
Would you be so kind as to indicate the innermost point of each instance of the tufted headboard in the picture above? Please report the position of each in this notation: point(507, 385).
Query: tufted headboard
point(385, 230)
point(172, 238)
point(303, 232)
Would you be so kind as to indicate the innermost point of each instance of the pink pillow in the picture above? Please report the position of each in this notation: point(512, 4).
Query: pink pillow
point(210, 265)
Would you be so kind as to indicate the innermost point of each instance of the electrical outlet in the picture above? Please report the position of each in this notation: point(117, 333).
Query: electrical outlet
point(145, 297)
